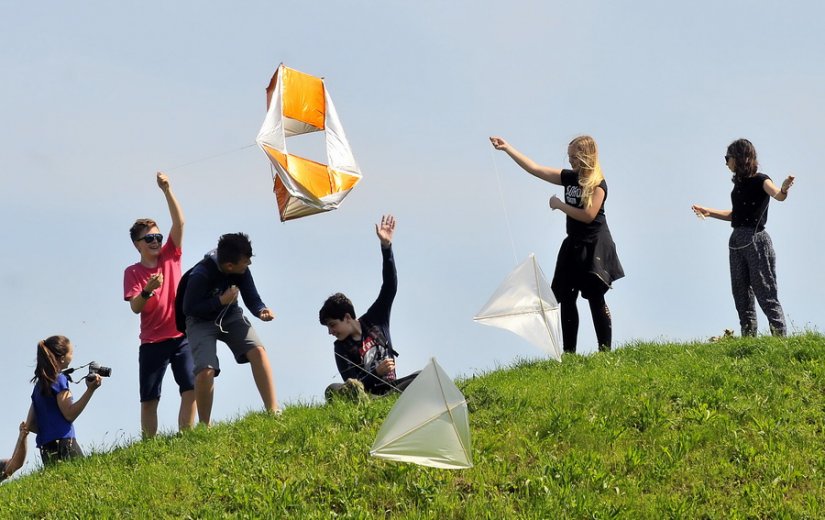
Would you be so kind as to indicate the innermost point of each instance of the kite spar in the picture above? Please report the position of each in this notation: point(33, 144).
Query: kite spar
point(298, 103)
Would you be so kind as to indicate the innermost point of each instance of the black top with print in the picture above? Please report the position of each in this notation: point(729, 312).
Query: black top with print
point(573, 196)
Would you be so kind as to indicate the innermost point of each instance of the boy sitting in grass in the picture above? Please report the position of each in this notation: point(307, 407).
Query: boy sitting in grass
point(363, 349)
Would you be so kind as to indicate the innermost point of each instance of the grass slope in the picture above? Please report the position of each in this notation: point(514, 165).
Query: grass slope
point(724, 430)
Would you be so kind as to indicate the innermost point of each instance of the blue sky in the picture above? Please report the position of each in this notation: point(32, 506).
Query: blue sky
point(97, 96)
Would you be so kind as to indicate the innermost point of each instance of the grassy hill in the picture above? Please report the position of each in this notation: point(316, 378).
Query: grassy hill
point(732, 429)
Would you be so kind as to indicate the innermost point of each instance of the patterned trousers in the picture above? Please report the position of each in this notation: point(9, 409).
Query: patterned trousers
point(753, 276)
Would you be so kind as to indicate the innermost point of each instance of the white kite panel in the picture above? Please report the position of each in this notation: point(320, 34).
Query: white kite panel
point(429, 424)
point(524, 304)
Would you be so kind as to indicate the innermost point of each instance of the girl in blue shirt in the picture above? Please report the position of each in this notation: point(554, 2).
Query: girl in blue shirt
point(53, 410)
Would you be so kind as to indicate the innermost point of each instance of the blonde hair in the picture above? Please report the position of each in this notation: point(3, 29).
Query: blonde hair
point(585, 160)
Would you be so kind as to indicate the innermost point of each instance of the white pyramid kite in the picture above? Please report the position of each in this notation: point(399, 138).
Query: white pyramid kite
point(524, 304)
point(429, 424)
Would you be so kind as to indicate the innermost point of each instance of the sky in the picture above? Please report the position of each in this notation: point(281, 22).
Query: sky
point(98, 96)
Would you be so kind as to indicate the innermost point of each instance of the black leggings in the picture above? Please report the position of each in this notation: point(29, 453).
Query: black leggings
point(570, 321)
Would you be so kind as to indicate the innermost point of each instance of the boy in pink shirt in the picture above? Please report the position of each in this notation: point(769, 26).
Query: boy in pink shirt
point(150, 286)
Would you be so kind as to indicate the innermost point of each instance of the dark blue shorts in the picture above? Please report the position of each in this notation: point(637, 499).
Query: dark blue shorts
point(153, 359)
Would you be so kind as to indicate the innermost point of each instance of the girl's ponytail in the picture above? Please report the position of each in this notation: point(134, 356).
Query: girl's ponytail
point(49, 351)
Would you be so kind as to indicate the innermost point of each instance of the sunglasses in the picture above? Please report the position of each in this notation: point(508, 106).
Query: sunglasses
point(728, 158)
point(151, 237)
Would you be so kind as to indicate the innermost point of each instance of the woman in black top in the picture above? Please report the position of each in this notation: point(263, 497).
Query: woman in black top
point(587, 261)
point(752, 258)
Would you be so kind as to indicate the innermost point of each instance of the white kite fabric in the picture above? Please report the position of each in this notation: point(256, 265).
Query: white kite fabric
point(429, 424)
point(524, 304)
point(298, 103)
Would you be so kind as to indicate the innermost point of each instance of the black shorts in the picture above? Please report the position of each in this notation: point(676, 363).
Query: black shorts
point(153, 360)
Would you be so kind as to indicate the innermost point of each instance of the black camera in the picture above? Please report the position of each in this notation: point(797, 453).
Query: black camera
point(94, 368)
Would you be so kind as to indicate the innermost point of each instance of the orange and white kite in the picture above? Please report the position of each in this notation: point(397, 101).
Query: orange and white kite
point(298, 103)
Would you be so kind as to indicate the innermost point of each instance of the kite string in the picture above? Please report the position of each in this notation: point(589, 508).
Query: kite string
point(504, 205)
point(204, 159)
point(362, 369)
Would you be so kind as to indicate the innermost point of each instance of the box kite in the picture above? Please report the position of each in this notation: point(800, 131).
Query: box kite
point(525, 305)
point(298, 103)
point(429, 424)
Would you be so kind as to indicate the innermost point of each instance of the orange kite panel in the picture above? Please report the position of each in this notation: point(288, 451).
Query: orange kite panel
point(342, 181)
point(311, 175)
point(303, 97)
point(275, 155)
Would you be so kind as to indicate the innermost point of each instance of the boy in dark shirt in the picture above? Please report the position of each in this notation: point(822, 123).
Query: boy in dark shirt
point(212, 313)
point(363, 348)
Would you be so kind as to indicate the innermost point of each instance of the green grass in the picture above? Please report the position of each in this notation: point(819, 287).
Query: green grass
point(724, 430)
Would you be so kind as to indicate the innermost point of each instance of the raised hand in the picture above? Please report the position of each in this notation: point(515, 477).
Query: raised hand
point(163, 181)
point(385, 230)
point(499, 143)
point(555, 202)
point(787, 183)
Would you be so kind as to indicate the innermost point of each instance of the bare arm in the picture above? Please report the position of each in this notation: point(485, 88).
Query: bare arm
point(779, 194)
point(545, 173)
point(71, 410)
point(175, 211)
point(721, 214)
point(586, 215)
point(19, 457)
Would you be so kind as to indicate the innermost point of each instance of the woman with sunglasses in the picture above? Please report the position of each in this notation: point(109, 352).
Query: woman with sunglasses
point(53, 410)
point(752, 258)
point(587, 260)
point(150, 286)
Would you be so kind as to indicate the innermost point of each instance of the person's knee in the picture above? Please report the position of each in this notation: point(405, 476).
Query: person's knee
point(150, 406)
point(256, 355)
point(205, 375)
point(331, 390)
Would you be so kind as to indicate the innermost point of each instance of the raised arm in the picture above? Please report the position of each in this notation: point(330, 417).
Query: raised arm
point(779, 194)
point(389, 276)
point(545, 173)
point(19, 457)
point(175, 211)
point(703, 212)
